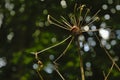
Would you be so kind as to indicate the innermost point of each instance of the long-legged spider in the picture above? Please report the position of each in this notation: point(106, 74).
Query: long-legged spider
point(76, 28)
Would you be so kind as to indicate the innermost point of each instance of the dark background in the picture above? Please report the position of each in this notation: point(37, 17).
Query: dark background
point(24, 29)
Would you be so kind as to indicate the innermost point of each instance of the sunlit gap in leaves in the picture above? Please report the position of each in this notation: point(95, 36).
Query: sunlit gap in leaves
point(63, 4)
point(88, 71)
point(3, 62)
point(10, 7)
point(10, 36)
point(41, 22)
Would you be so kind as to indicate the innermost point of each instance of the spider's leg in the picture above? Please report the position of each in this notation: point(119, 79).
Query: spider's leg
point(110, 70)
point(108, 54)
point(73, 19)
point(95, 19)
point(68, 25)
point(63, 53)
point(73, 16)
point(52, 46)
point(55, 61)
point(39, 74)
point(75, 8)
point(95, 14)
point(55, 67)
point(81, 9)
point(40, 66)
point(88, 10)
point(56, 22)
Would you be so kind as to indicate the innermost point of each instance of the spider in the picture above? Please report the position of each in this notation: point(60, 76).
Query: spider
point(75, 27)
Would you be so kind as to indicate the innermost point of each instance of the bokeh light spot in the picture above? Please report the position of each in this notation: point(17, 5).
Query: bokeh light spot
point(63, 3)
point(53, 40)
point(113, 10)
point(10, 36)
point(81, 38)
point(86, 28)
point(113, 42)
point(3, 62)
point(86, 47)
point(105, 7)
point(49, 68)
point(118, 7)
point(35, 66)
point(104, 33)
point(107, 16)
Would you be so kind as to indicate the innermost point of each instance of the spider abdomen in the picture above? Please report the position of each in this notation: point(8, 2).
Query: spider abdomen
point(75, 30)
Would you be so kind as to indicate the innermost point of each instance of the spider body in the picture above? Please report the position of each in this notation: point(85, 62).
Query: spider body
point(75, 31)
point(76, 28)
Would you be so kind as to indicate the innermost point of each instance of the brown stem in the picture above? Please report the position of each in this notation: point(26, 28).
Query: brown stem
point(81, 62)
